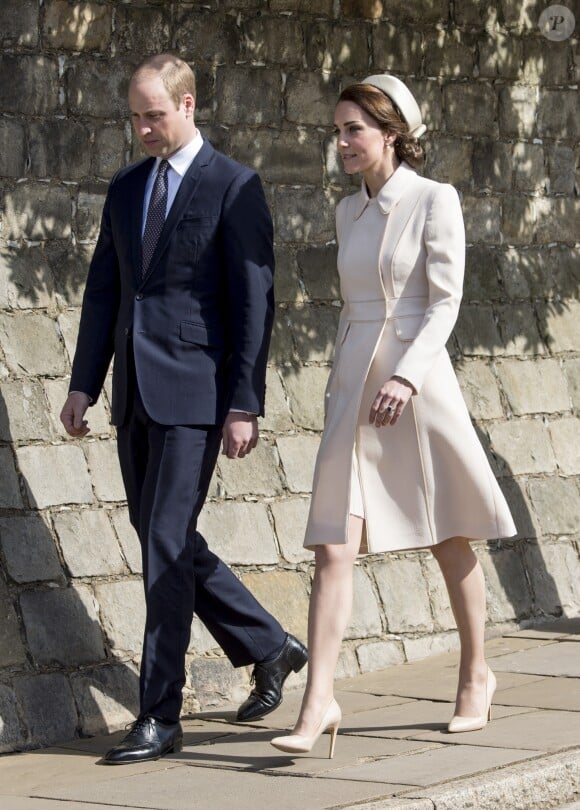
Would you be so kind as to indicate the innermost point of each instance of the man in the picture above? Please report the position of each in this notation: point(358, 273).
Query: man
point(180, 291)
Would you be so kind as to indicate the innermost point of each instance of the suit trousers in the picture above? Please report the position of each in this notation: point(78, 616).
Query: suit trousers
point(167, 470)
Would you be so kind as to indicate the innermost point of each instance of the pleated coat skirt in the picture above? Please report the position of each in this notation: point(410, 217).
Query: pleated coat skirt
point(427, 478)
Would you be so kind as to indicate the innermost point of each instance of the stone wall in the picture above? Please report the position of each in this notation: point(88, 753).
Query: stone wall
point(500, 100)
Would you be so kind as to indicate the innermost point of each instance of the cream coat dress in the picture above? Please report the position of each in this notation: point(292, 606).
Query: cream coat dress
point(427, 478)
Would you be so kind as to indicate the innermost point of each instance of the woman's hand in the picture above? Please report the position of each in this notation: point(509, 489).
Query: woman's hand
point(390, 402)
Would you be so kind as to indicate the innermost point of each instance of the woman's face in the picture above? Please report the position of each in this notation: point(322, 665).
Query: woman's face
point(360, 140)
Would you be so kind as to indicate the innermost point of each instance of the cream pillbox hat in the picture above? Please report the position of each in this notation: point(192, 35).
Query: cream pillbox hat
point(402, 97)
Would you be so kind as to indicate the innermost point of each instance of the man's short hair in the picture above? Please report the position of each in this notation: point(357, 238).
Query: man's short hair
point(176, 75)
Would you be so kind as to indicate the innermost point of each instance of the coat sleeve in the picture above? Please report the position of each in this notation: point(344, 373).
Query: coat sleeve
point(249, 261)
point(444, 238)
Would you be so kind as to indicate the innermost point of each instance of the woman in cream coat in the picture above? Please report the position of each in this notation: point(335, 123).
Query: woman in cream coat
point(399, 465)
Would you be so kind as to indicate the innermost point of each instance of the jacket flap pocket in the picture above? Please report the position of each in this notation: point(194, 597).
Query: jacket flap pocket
point(407, 326)
point(201, 334)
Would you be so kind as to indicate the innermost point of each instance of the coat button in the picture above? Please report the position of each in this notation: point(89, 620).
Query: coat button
point(139, 297)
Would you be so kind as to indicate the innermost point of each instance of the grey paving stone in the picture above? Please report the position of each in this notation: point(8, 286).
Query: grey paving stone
point(565, 660)
point(550, 629)
point(546, 693)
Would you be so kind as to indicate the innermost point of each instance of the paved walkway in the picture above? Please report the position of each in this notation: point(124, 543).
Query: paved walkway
point(392, 751)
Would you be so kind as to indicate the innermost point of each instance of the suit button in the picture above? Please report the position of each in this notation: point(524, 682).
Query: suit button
point(127, 330)
point(139, 297)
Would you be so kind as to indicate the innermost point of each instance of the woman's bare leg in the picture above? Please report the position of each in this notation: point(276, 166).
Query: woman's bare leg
point(466, 587)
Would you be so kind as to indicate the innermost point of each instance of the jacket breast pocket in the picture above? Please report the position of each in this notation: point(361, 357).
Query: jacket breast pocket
point(201, 335)
point(407, 326)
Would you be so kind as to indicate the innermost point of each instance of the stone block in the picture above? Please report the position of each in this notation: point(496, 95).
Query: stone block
point(33, 84)
point(449, 161)
point(256, 475)
point(379, 655)
point(518, 107)
point(426, 646)
point(12, 734)
point(519, 329)
point(87, 542)
point(48, 707)
point(572, 372)
point(18, 24)
point(306, 386)
point(561, 169)
point(60, 148)
point(520, 507)
point(522, 446)
point(122, 611)
point(429, 97)
point(534, 386)
point(506, 585)
point(482, 277)
point(298, 455)
point(545, 63)
point(109, 151)
point(215, 681)
point(432, 14)
point(554, 571)
point(10, 496)
point(281, 346)
point(480, 390)
point(56, 392)
point(290, 156)
point(500, 55)
point(365, 9)
point(24, 415)
point(518, 222)
point(26, 280)
point(522, 16)
point(319, 274)
point(248, 96)
point(565, 434)
point(556, 220)
point(528, 163)
point(290, 516)
point(347, 666)
point(13, 154)
point(31, 345)
point(89, 211)
point(492, 165)
point(143, 30)
point(270, 40)
point(68, 265)
point(482, 219)
point(29, 549)
point(470, 109)
point(98, 88)
point(539, 272)
point(204, 36)
point(561, 324)
point(201, 640)
point(331, 47)
point(128, 539)
point(12, 652)
point(438, 594)
point(62, 626)
point(287, 285)
point(556, 504)
point(450, 54)
point(285, 595)
point(403, 591)
point(365, 620)
point(311, 98)
point(303, 215)
point(477, 332)
point(395, 49)
point(107, 697)
point(239, 533)
point(277, 416)
point(558, 114)
point(78, 27)
point(323, 7)
point(105, 470)
point(55, 475)
point(37, 211)
point(314, 331)
point(68, 322)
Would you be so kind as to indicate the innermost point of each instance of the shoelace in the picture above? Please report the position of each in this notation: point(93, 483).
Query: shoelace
point(139, 724)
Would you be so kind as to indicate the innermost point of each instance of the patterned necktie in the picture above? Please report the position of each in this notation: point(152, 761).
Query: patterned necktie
point(155, 215)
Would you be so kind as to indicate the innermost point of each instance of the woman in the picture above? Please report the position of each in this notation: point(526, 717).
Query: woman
point(399, 459)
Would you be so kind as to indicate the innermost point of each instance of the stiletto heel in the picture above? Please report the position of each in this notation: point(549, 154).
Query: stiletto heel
point(302, 743)
point(459, 724)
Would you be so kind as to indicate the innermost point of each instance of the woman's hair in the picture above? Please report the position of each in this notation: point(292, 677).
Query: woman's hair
point(380, 107)
point(176, 75)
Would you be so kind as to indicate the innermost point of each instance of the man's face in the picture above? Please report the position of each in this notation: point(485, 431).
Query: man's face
point(162, 128)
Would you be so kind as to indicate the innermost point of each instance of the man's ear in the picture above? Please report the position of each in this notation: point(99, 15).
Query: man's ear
point(189, 104)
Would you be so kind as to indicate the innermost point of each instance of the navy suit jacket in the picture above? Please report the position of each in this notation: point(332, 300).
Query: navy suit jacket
point(199, 321)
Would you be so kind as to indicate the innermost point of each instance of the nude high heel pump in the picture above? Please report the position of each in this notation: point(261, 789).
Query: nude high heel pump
point(459, 724)
point(302, 743)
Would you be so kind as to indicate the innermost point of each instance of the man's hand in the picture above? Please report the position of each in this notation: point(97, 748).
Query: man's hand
point(240, 434)
point(73, 412)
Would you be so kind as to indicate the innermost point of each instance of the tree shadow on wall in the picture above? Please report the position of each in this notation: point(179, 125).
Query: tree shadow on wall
point(61, 670)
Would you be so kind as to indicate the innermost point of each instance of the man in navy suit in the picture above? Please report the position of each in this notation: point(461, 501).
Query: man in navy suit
point(180, 292)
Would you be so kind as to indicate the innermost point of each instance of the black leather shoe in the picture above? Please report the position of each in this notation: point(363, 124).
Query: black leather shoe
point(268, 680)
point(149, 738)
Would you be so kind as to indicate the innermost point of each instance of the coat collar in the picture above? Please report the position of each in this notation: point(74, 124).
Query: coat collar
point(390, 193)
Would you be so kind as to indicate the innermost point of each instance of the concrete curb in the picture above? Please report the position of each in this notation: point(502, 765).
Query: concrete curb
point(540, 784)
